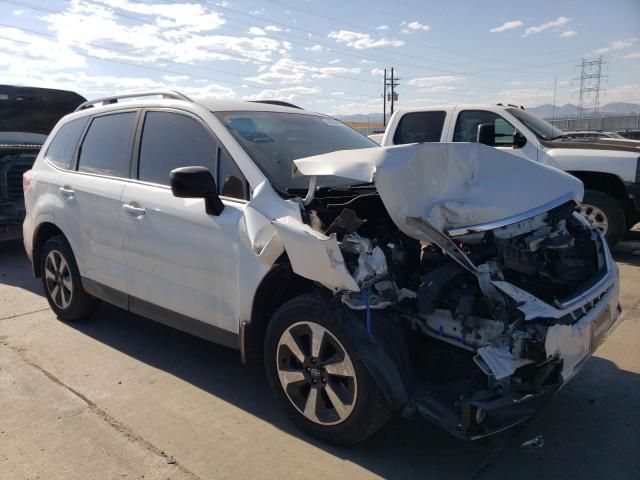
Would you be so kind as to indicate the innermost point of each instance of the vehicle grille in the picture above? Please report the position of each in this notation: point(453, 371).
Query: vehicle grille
point(14, 180)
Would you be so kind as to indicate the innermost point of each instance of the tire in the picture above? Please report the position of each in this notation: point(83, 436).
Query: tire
point(362, 407)
point(598, 207)
point(59, 270)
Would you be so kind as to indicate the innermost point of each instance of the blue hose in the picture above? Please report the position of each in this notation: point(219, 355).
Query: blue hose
point(365, 299)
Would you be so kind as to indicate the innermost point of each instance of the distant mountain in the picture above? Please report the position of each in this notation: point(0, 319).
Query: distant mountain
point(544, 111)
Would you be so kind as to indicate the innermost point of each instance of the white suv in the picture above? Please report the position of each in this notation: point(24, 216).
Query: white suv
point(423, 278)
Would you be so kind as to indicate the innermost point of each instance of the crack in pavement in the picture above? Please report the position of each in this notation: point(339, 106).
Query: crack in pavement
point(23, 314)
point(109, 419)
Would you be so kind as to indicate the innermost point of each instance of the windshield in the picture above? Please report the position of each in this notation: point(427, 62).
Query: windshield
point(274, 140)
point(537, 125)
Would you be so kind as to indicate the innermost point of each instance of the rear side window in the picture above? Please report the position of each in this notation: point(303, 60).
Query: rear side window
point(170, 140)
point(105, 149)
point(63, 145)
point(420, 127)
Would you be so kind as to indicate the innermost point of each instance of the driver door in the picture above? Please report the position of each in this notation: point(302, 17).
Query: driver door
point(466, 128)
point(178, 258)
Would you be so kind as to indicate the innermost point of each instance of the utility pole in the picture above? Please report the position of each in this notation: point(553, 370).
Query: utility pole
point(590, 80)
point(392, 96)
point(384, 100)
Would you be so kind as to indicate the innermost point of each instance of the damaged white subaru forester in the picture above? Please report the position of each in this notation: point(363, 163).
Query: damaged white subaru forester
point(454, 281)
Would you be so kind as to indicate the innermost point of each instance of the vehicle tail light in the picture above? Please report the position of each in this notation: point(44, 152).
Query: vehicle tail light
point(27, 179)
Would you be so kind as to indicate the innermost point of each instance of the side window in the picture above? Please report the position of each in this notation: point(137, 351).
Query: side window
point(170, 140)
point(61, 148)
point(467, 127)
point(420, 127)
point(231, 182)
point(105, 149)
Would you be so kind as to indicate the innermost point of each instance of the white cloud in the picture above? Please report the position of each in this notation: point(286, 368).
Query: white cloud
point(374, 105)
point(257, 31)
point(617, 45)
point(288, 71)
point(273, 28)
point(377, 71)
point(382, 28)
point(178, 32)
point(510, 25)
point(334, 61)
point(569, 33)
point(418, 26)
point(175, 78)
point(287, 94)
point(361, 41)
point(558, 22)
point(314, 48)
point(436, 83)
point(632, 55)
point(18, 12)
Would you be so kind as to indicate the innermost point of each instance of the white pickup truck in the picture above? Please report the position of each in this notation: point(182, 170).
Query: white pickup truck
point(609, 169)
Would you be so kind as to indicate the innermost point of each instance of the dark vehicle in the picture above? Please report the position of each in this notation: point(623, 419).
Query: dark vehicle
point(27, 115)
point(630, 134)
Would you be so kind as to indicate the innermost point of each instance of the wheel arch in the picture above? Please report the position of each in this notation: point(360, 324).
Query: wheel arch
point(279, 285)
point(43, 232)
point(608, 183)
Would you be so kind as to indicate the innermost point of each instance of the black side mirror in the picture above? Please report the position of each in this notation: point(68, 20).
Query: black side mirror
point(233, 187)
point(486, 134)
point(519, 140)
point(196, 182)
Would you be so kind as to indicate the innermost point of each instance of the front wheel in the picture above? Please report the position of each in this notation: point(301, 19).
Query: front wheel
point(315, 372)
point(604, 213)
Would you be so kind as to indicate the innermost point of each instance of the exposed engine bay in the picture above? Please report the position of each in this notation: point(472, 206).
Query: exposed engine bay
point(472, 342)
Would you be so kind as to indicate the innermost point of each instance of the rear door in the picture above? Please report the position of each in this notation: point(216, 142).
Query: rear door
point(91, 211)
point(178, 257)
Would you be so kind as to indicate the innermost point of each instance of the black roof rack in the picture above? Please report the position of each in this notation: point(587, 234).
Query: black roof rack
point(110, 100)
point(280, 103)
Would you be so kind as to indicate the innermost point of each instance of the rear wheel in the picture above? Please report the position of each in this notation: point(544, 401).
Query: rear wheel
point(604, 213)
point(61, 281)
point(315, 372)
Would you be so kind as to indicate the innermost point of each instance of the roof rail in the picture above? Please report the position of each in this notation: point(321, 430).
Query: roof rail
point(277, 102)
point(110, 100)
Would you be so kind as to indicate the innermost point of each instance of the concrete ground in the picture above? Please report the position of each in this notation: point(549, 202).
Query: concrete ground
point(120, 396)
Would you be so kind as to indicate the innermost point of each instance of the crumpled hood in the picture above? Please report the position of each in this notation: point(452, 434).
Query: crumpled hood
point(451, 185)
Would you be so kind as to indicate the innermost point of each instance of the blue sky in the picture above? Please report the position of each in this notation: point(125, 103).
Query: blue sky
point(325, 55)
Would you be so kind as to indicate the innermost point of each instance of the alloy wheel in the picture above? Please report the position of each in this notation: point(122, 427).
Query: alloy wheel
point(316, 373)
point(595, 216)
point(58, 279)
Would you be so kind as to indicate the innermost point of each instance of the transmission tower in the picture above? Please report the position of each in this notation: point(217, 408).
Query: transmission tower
point(590, 86)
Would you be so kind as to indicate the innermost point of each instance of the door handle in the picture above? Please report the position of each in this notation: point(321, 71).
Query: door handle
point(133, 209)
point(67, 191)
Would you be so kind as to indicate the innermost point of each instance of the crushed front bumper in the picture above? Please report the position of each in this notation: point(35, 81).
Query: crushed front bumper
point(568, 346)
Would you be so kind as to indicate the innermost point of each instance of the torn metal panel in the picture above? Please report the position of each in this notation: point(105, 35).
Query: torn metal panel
point(498, 361)
point(450, 185)
point(571, 344)
point(314, 255)
point(264, 207)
